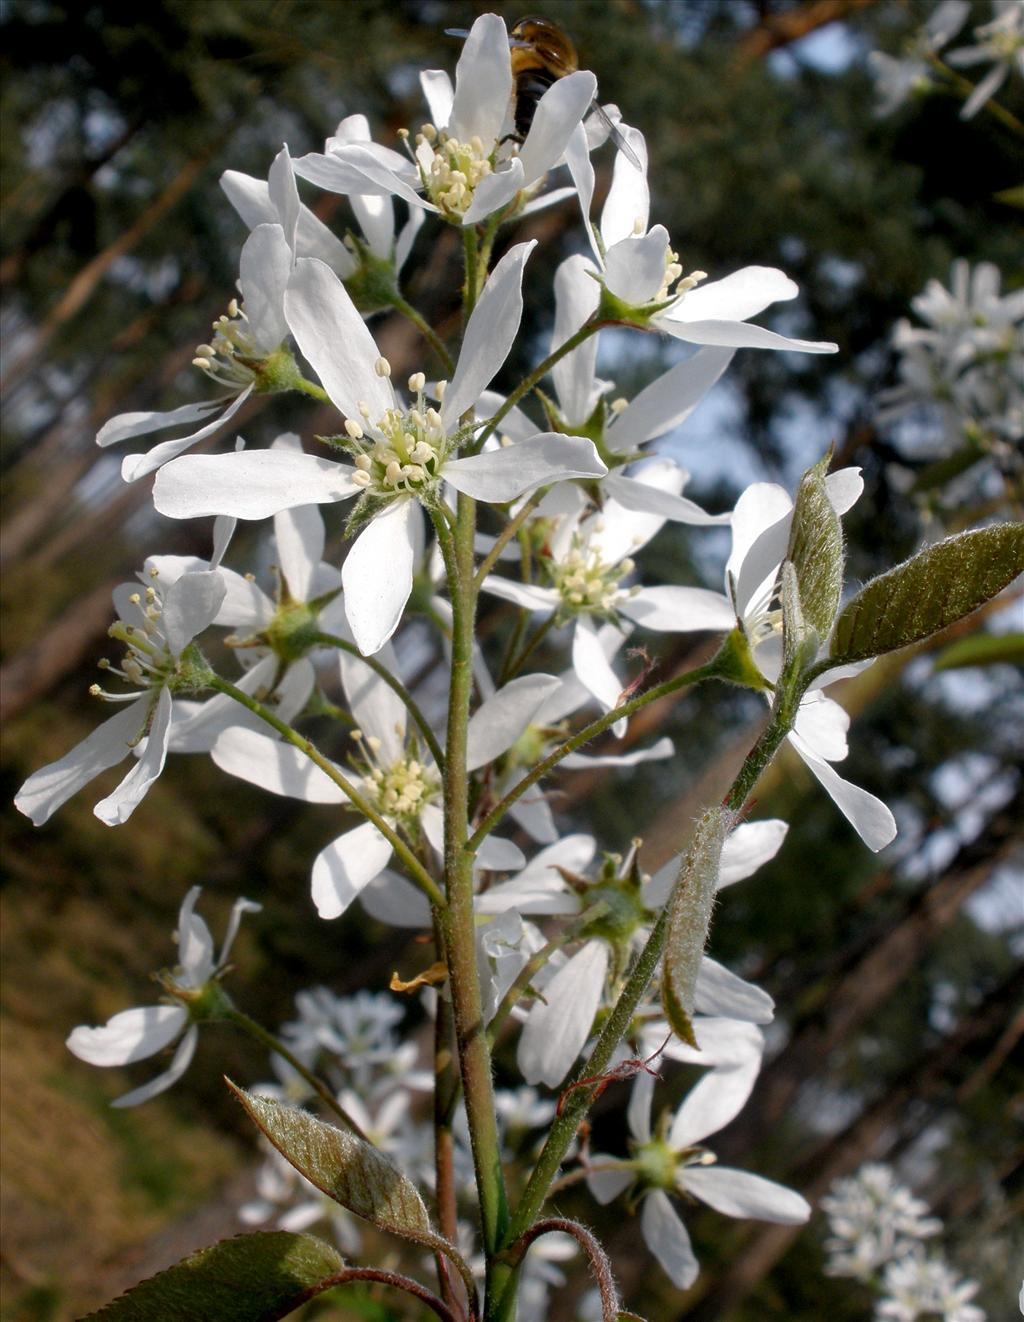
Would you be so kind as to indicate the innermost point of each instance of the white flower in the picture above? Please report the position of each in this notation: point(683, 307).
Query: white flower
point(897, 78)
point(1002, 41)
point(638, 267)
point(157, 625)
point(671, 1160)
point(872, 1219)
point(465, 166)
point(136, 1034)
point(403, 455)
point(249, 335)
point(926, 1287)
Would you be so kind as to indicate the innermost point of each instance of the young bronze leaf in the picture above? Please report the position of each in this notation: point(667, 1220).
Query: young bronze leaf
point(931, 590)
point(689, 918)
point(347, 1169)
point(816, 550)
point(251, 1278)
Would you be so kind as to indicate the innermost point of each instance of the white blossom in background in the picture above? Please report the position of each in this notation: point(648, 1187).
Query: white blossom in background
point(404, 455)
point(897, 78)
point(157, 625)
point(919, 1287)
point(962, 371)
point(465, 166)
point(136, 1034)
point(671, 1160)
point(1002, 42)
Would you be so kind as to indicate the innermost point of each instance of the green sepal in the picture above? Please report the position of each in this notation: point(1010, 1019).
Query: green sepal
point(816, 550)
point(373, 285)
point(252, 1278)
point(276, 372)
point(734, 662)
point(689, 920)
point(984, 649)
point(928, 592)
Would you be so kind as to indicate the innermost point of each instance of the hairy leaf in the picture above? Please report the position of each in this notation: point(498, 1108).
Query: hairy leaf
point(251, 1278)
point(689, 918)
point(816, 550)
point(931, 590)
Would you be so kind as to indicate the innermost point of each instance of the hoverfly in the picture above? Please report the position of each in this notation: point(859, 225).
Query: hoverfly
point(543, 52)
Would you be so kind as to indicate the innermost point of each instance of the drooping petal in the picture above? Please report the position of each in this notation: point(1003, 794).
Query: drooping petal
point(606, 1185)
point(669, 400)
point(592, 667)
point(51, 786)
point(634, 270)
point(528, 595)
point(299, 536)
point(656, 752)
point(335, 340)
point(134, 466)
point(713, 1102)
point(377, 575)
point(750, 845)
point(273, 766)
point(868, 816)
point(347, 865)
point(363, 170)
point(391, 899)
point(252, 484)
point(642, 498)
point(241, 906)
point(555, 1032)
point(490, 332)
point(483, 83)
point(577, 294)
point(500, 720)
point(195, 726)
point(821, 725)
point(722, 992)
point(638, 1112)
point(126, 425)
point(129, 1036)
point(498, 855)
point(666, 1237)
point(180, 1062)
point(263, 271)
point(117, 807)
point(189, 606)
point(558, 112)
point(737, 1193)
point(502, 475)
point(737, 335)
point(674, 609)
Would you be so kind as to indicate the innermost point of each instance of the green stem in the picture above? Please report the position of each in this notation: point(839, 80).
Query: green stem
point(311, 389)
point(584, 333)
point(529, 647)
point(505, 536)
point(446, 1094)
point(696, 676)
point(458, 919)
point(471, 262)
point(426, 330)
point(272, 1043)
point(396, 686)
point(964, 87)
point(415, 868)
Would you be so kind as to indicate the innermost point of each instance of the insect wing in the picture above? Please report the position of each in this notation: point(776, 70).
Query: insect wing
point(616, 136)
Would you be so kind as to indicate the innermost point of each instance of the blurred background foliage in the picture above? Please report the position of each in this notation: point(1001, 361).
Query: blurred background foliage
point(898, 978)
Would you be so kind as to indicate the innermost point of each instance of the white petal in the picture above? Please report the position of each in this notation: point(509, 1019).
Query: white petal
point(657, 752)
point(334, 339)
point(483, 82)
point(634, 268)
point(678, 610)
point(628, 204)
point(737, 335)
point(594, 671)
point(501, 475)
point(736, 1193)
point(377, 710)
point(762, 506)
point(645, 499)
point(577, 295)
point(751, 845)
point(581, 170)
point(555, 1033)
point(666, 1237)
point(527, 595)
point(489, 334)
point(736, 297)
point(134, 466)
point(117, 807)
point(363, 171)
point(498, 855)
point(638, 1112)
point(439, 95)
point(844, 487)
point(533, 815)
point(195, 944)
point(377, 575)
point(721, 992)
point(252, 484)
point(126, 425)
point(529, 894)
point(669, 400)
point(241, 906)
point(407, 237)
point(558, 112)
point(606, 1185)
point(284, 196)
point(195, 726)
point(498, 722)
point(821, 725)
point(494, 191)
point(432, 822)
point(245, 605)
point(51, 786)
point(264, 268)
point(189, 606)
point(868, 816)
point(129, 1036)
point(299, 535)
point(179, 1064)
point(713, 1102)
point(273, 766)
point(391, 899)
point(722, 1043)
point(347, 865)
point(251, 199)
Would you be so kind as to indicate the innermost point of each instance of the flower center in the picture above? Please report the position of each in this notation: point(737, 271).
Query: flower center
point(587, 585)
point(675, 284)
point(656, 1164)
point(399, 790)
point(224, 358)
point(148, 662)
point(406, 448)
point(451, 169)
